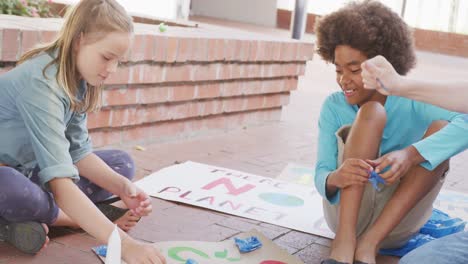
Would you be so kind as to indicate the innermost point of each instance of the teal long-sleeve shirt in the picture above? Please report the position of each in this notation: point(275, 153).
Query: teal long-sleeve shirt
point(37, 125)
point(407, 121)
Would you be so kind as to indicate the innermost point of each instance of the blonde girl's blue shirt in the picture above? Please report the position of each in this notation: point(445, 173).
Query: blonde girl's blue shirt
point(37, 125)
point(407, 121)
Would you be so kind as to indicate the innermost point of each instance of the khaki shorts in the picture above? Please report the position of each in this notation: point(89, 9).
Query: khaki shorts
point(373, 202)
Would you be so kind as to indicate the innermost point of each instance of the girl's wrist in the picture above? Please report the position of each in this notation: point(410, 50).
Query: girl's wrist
point(415, 157)
point(122, 186)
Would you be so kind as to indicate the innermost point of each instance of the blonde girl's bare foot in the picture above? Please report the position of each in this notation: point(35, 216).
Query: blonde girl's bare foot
point(127, 221)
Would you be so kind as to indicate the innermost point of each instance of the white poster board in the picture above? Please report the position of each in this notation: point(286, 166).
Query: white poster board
point(290, 201)
point(238, 193)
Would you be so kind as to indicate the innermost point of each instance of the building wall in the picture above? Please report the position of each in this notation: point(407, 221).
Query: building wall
point(166, 9)
point(184, 82)
point(428, 40)
point(259, 12)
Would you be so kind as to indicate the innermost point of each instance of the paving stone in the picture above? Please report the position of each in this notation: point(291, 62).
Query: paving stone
point(276, 228)
point(7, 252)
point(296, 239)
point(313, 254)
point(323, 241)
point(83, 242)
point(289, 249)
point(161, 205)
point(57, 254)
point(237, 224)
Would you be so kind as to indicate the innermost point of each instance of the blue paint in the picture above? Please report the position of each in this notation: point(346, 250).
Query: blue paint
point(191, 261)
point(248, 244)
point(416, 241)
point(101, 250)
point(440, 224)
point(375, 179)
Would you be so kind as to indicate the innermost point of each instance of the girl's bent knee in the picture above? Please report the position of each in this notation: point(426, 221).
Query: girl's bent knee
point(128, 164)
point(7, 172)
point(120, 161)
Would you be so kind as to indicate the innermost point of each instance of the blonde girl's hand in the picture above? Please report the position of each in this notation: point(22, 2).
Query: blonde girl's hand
point(351, 172)
point(135, 252)
point(378, 73)
point(136, 199)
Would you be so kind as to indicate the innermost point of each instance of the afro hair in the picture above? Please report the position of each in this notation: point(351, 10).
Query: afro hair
point(371, 28)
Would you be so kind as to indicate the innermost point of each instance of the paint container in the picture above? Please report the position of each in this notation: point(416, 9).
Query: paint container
point(248, 244)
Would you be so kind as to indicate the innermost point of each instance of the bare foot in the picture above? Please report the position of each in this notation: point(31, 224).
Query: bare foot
point(342, 249)
point(127, 221)
point(366, 251)
point(46, 228)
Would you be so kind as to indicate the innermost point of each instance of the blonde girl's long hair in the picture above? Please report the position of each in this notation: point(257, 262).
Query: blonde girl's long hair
point(88, 16)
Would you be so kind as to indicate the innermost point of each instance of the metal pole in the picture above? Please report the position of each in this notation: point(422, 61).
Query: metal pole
point(299, 18)
point(403, 9)
point(453, 15)
point(182, 9)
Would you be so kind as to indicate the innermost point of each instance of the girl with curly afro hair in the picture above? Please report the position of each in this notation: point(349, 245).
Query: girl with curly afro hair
point(357, 126)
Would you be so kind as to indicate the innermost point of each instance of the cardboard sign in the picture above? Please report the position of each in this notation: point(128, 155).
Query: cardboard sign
point(225, 252)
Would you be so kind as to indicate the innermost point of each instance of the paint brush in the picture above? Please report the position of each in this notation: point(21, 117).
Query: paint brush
point(114, 255)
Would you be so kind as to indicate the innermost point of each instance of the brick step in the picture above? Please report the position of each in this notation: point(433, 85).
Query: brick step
point(164, 93)
point(142, 114)
point(171, 130)
point(144, 73)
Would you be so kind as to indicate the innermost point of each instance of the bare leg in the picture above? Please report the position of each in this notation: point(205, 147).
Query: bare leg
point(64, 220)
point(362, 142)
point(413, 187)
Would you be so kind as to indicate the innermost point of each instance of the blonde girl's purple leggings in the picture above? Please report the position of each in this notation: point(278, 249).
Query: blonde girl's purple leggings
point(22, 199)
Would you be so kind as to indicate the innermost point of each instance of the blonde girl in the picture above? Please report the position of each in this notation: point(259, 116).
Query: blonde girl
point(51, 176)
